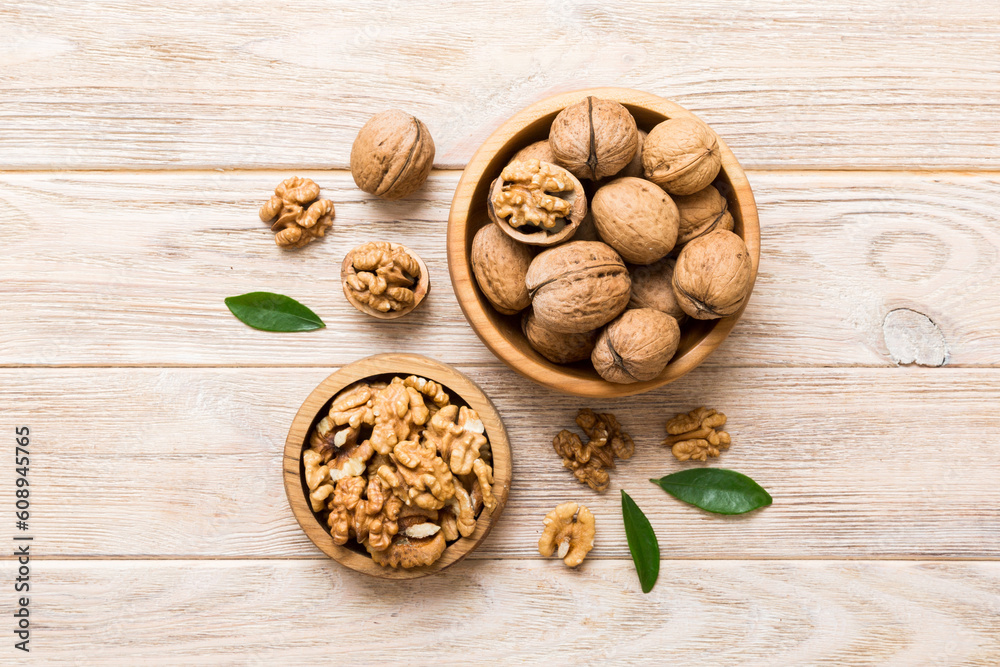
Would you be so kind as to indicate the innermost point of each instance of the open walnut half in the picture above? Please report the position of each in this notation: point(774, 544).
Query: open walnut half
point(400, 469)
point(384, 280)
point(538, 203)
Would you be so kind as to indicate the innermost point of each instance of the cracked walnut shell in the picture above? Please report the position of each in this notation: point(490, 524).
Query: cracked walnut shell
point(696, 436)
point(681, 155)
point(578, 286)
point(569, 533)
point(392, 155)
point(637, 346)
point(636, 218)
point(384, 280)
point(499, 264)
point(538, 203)
point(713, 275)
point(296, 213)
point(594, 138)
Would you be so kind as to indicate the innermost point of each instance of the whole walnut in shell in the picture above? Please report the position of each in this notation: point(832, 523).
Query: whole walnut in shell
point(594, 138)
point(636, 218)
point(538, 203)
point(636, 347)
point(540, 150)
point(681, 155)
point(634, 168)
point(559, 348)
point(713, 275)
point(578, 286)
point(652, 287)
point(701, 213)
point(392, 155)
point(499, 264)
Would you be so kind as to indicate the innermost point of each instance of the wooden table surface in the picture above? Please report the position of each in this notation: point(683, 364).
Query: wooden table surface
point(137, 140)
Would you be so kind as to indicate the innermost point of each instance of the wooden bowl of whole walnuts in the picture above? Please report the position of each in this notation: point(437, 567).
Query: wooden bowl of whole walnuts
point(603, 242)
point(397, 466)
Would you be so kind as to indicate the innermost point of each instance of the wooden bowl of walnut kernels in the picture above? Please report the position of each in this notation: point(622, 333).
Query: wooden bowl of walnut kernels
point(502, 333)
point(383, 367)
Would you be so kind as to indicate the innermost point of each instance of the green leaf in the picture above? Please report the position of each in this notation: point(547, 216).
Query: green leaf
point(641, 542)
point(715, 490)
point(268, 311)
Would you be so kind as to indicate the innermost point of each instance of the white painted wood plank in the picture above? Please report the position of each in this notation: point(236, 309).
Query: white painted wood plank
point(524, 612)
point(862, 463)
point(132, 269)
point(803, 84)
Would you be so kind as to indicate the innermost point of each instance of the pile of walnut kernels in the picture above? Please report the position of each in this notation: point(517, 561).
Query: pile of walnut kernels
point(399, 468)
point(613, 281)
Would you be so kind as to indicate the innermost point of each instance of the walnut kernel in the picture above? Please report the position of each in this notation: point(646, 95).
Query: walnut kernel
point(569, 532)
point(696, 436)
point(409, 552)
point(384, 279)
point(296, 214)
point(538, 203)
point(607, 440)
point(403, 504)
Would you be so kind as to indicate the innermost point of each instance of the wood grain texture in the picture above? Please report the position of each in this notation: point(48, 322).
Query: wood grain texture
point(460, 389)
point(132, 269)
point(862, 463)
point(803, 84)
point(469, 212)
point(528, 612)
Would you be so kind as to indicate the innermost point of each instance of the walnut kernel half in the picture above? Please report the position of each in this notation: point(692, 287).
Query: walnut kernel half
point(296, 213)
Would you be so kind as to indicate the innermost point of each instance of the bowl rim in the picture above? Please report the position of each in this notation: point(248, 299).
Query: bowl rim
point(397, 364)
point(545, 373)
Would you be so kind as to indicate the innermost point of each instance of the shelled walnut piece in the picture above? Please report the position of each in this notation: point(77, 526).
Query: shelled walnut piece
point(696, 435)
point(536, 202)
point(607, 440)
point(399, 468)
point(569, 532)
point(296, 213)
point(383, 279)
